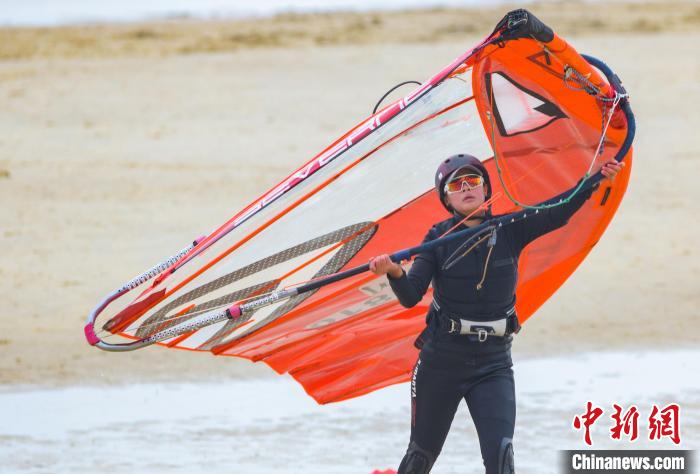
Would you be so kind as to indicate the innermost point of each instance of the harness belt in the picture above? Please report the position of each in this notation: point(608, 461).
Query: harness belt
point(483, 329)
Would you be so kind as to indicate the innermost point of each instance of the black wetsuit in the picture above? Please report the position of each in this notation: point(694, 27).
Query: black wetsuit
point(452, 367)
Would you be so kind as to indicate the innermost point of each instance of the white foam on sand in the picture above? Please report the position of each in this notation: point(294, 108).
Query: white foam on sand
point(271, 425)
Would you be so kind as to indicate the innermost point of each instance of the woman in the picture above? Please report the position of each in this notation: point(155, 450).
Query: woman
point(465, 349)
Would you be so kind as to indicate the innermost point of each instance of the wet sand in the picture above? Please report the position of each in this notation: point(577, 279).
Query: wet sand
point(122, 143)
point(271, 426)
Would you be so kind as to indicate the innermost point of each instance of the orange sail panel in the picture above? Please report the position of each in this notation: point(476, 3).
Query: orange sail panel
point(370, 192)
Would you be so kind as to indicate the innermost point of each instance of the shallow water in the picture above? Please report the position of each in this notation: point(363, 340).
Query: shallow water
point(271, 425)
point(50, 12)
point(54, 13)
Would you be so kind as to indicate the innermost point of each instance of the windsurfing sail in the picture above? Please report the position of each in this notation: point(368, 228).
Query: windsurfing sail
point(540, 117)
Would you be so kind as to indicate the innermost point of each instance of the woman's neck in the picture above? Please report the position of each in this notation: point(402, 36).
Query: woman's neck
point(473, 221)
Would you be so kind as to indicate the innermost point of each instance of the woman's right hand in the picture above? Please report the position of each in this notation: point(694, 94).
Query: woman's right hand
point(382, 265)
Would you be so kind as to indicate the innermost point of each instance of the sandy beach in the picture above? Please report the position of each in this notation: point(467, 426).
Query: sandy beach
point(123, 142)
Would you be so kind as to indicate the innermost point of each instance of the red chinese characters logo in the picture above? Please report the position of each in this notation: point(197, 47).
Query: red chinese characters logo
point(590, 417)
point(626, 423)
point(663, 422)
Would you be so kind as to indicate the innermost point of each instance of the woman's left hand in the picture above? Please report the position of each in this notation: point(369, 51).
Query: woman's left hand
point(611, 168)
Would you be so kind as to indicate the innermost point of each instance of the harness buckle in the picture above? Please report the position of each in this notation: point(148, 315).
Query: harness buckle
point(483, 334)
point(453, 326)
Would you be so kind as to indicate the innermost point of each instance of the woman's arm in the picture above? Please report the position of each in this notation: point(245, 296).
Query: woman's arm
point(408, 288)
point(547, 220)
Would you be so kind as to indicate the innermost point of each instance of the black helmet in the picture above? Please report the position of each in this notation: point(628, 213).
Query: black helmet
point(454, 163)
